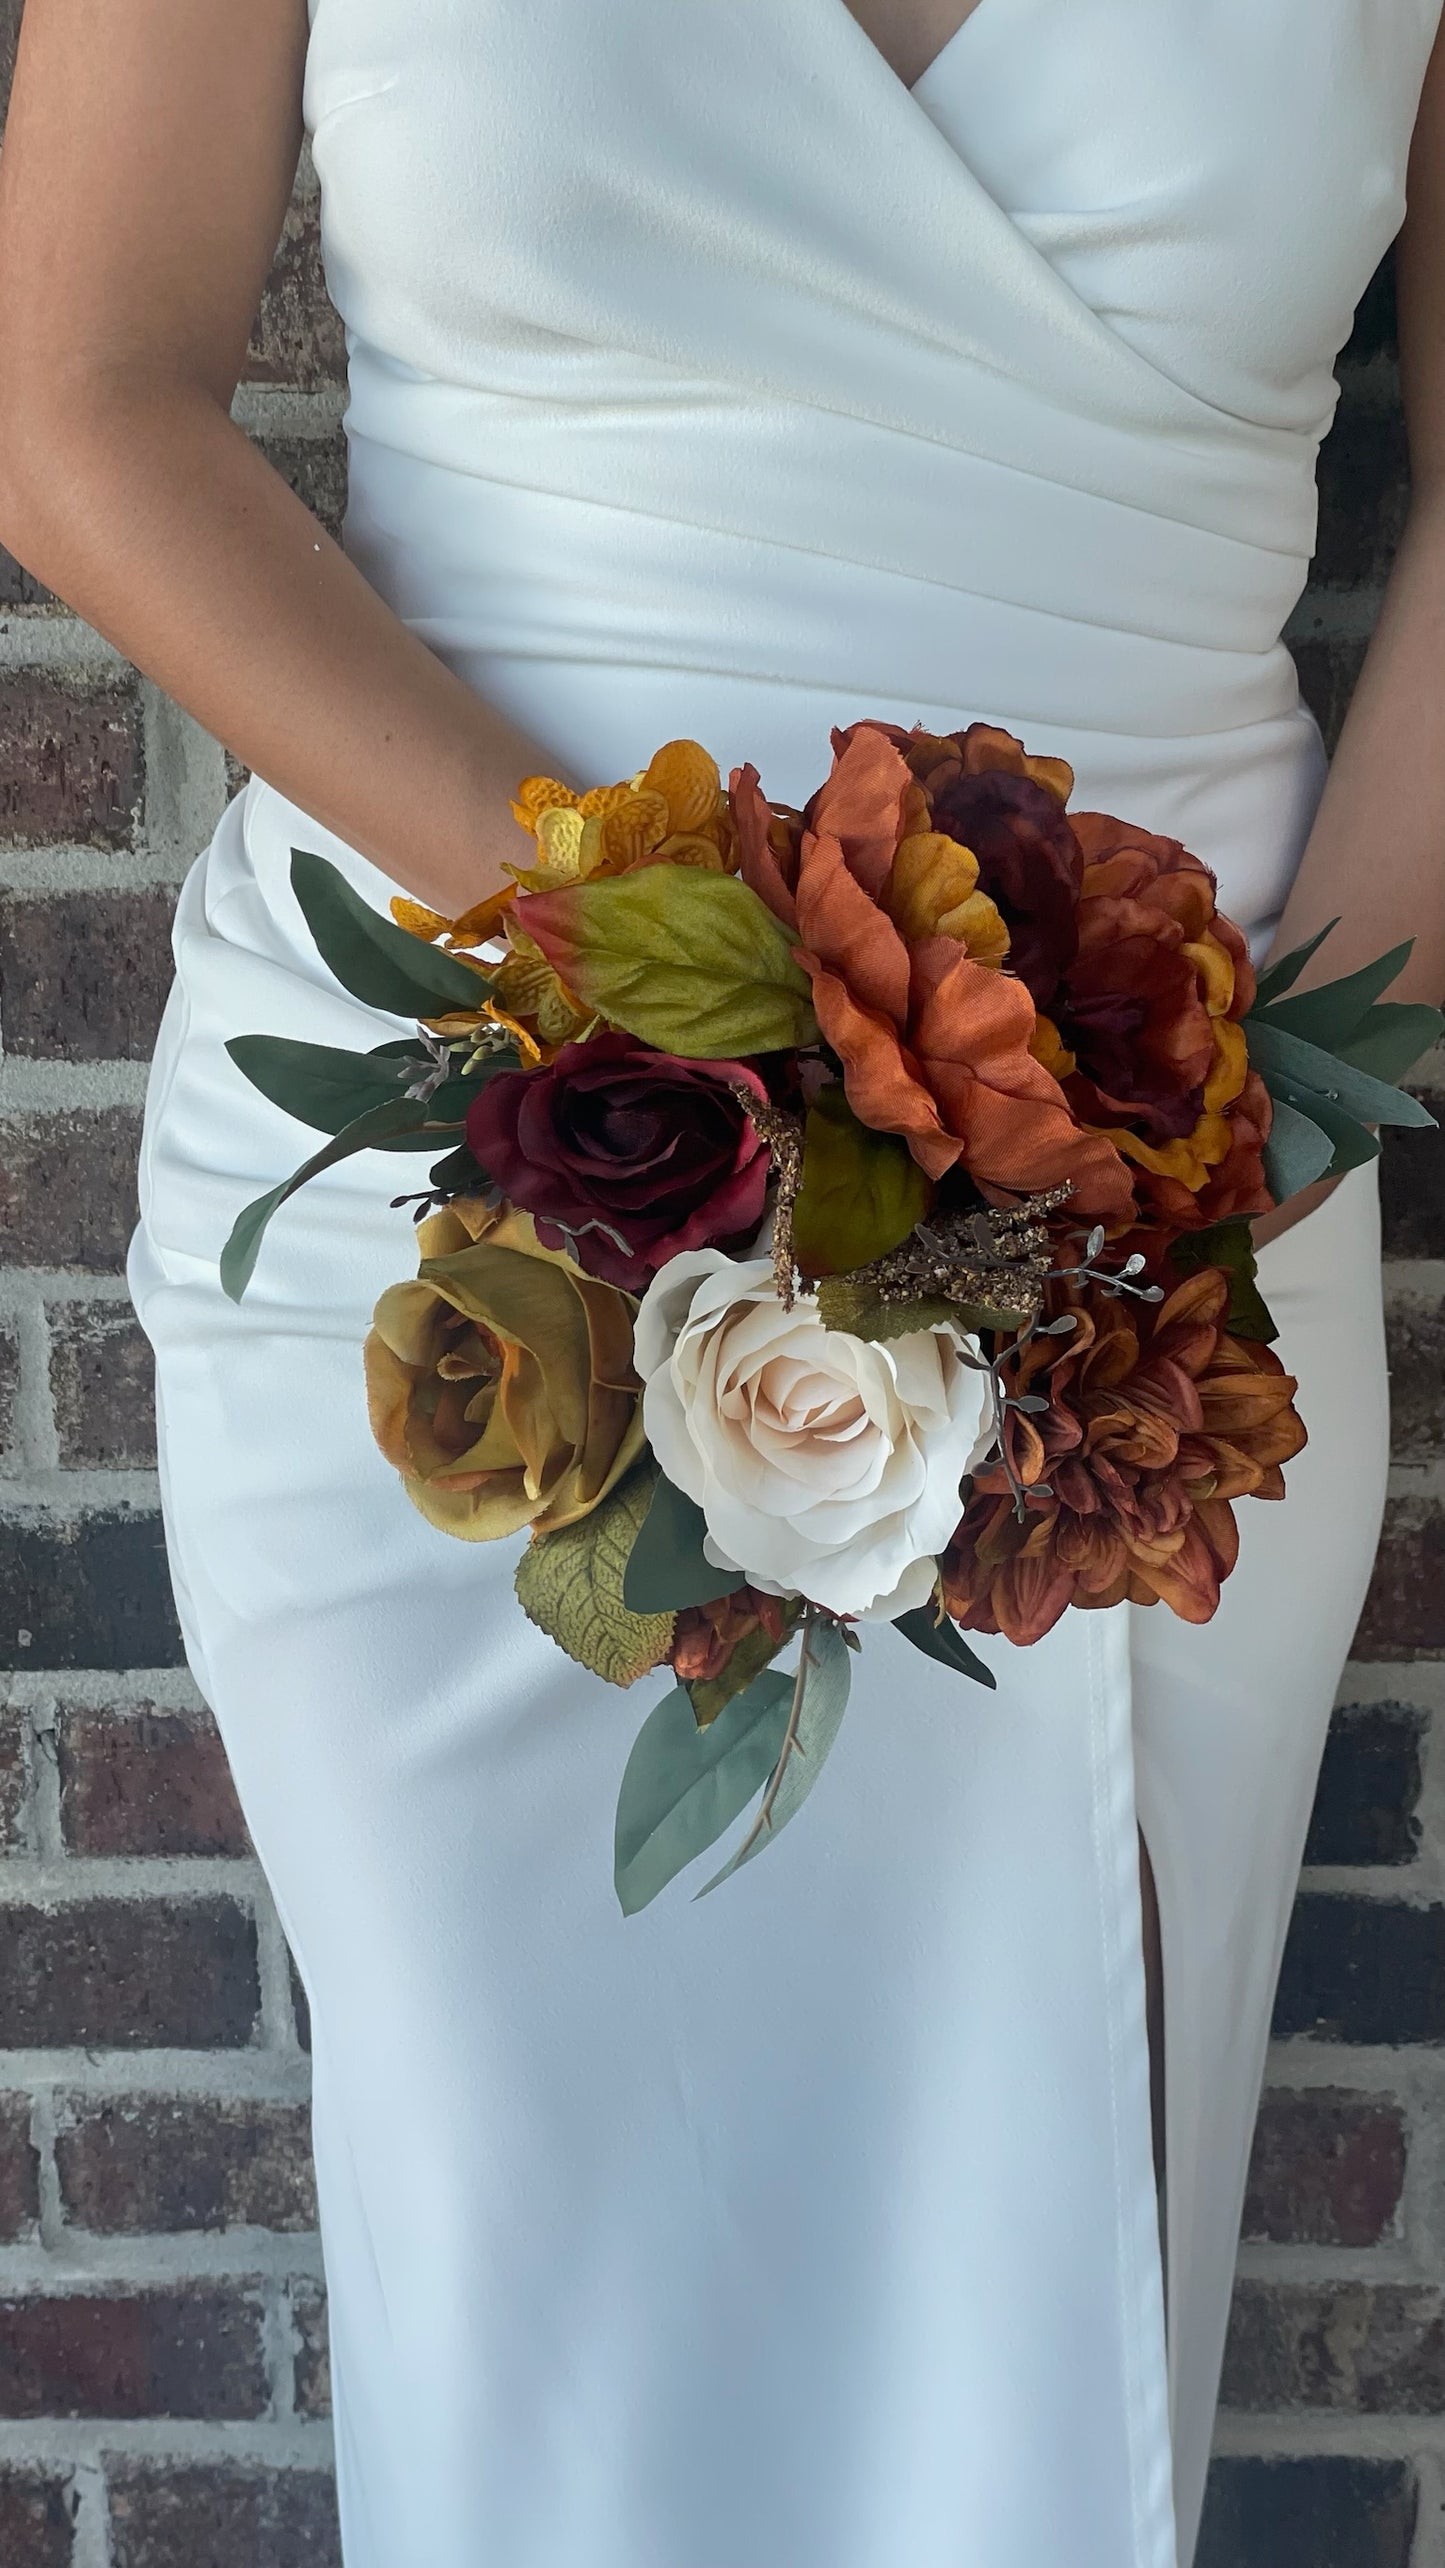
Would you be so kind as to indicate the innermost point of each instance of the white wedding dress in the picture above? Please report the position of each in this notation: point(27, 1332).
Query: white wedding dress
point(706, 380)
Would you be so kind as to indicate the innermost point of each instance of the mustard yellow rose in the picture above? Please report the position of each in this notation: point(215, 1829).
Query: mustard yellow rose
point(500, 1381)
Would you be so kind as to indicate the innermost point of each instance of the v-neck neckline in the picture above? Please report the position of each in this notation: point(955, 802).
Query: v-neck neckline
point(911, 88)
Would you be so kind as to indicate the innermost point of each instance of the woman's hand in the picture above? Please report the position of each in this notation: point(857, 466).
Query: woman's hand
point(149, 155)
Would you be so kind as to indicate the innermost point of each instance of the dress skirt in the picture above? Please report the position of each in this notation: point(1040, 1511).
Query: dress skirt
point(811, 2225)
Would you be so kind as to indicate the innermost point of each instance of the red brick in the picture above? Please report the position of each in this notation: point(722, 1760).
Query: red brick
point(37, 2517)
point(19, 2170)
point(1412, 1193)
point(1364, 484)
point(312, 2371)
point(9, 1395)
point(297, 338)
point(1404, 1612)
point(1369, 1786)
point(165, 2515)
point(1327, 2170)
point(1330, 2510)
point(71, 761)
point(84, 975)
point(92, 1591)
point(130, 1974)
point(1362, 1970)
point(193, 2352)
point(20, 588)
point(133, 2164)
point(1416, 1333)
point(14, 1780)
point(1357, 2349)
point(315, 468)
point(102, 1382)
point(67, 1189)
point(142, 1781)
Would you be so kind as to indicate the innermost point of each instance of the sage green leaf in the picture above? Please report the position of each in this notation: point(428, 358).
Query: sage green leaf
point(377, 961)
point(820, 1698)
point(944, 1642)
point(570, 1585)
point(1296, 1153)
point(857, 1307)
point(1229, 1245)
point(1332, 1011)
point(370, 1131)
point(1282, 975)
point(751, 1655)
point(683, 1786)
point(862, 1191)
point(690, 961)
point(1298, 1070)
point(667, 1567)
point(1391, 1037)
point(319, 1086)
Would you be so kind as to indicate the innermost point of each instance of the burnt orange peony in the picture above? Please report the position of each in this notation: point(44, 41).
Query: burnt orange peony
point(903, 951)
point(1157, 1421)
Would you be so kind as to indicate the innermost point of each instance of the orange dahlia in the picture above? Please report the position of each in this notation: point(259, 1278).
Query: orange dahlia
point(1156, 1421)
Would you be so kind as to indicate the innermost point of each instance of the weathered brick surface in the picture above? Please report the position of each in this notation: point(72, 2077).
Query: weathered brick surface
point(312, 2372)
point(94, 1592)
point(1417, 1380)
point(1329, 666)
point(195, 2352)
point(1330, 2511)
point(145, 1781)
point(71, 762)
point(297, 339)
point(37, 2515)
point(9, 1395)
point(1369, 1786)
point(130, 2165)
point(1327, 2170)
point(220, 2516)
point(315, 468)
point(67, 1189)
point(102, 1382)
point(19, 2171)
point(14, 1781)
point(1404, 1614)
point(1363, 1970)
point(1364, 493)
point(1412, 1193)
point(1368, 2349)
point(84, 975)
point(130, 1974)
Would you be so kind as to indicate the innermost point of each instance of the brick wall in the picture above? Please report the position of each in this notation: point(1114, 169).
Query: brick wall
point(162, 2363)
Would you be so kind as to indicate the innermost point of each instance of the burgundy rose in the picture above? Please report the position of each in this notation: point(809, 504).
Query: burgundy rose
point(625, 1157)
point(1029, 862)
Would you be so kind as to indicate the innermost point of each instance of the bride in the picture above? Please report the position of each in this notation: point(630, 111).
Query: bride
point(734, 370)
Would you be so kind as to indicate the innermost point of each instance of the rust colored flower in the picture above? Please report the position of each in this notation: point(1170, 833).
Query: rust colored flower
point(1157, 1420)
point(674, 811)
point(1145, 1035)
point(705, 1636)
point(935, 1042)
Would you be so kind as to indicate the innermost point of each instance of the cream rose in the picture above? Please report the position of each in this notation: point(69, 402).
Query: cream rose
point(826, 1466)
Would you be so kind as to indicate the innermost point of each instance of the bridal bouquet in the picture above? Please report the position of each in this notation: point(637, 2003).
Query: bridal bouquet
point(838, 1215)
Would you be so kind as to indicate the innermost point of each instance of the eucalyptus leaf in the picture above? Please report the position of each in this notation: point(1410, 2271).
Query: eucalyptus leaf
point(1296, 1153)
point(377, 961)
point(371, 1131)
point(667, 1567)
point(683, 1786)
point(1332, 1011)
point(1277, 977)
point(1354, 1143)
point(1298, 1070)
point(1392, 1036)
point(820, 1698)
point(944, 1642)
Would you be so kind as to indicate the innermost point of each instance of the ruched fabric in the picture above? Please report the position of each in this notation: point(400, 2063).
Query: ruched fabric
point(704, 379)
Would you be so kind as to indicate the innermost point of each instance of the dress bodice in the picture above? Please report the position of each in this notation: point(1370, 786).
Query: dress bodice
point(692, 352)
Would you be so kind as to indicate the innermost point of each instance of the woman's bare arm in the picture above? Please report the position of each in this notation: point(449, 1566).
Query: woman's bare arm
point(148, 159)
point(1376, 855)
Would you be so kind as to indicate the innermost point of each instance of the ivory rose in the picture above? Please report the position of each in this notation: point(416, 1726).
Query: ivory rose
point(826, 1466)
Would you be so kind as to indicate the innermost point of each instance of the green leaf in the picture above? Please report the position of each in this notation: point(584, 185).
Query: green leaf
point(319, 1086)
point(570, 1585)
point(1278, 977)
point(370, 1131)
point(690, 961)
point(1354, 1143)
point(377, 961)
point(1332, 1011)
point(944, 1642)
point(858, 1308)
point(667, 1567)
point(752, 1654)
point(1298, 1070)
point(1391, 1037)
point(820, 1697)
point(1229, 1245)
point(1296, 1153)
point(862, 1191)
point(683, 1786)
